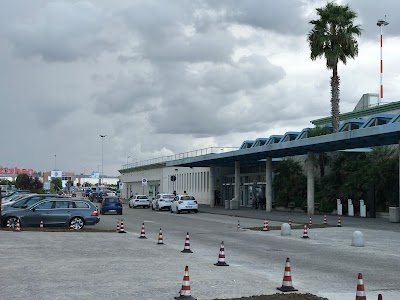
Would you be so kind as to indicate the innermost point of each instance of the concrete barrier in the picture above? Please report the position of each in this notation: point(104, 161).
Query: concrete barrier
point(358, 239)
point(285, 229)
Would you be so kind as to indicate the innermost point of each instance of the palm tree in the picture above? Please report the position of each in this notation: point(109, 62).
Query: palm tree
point(334, 37)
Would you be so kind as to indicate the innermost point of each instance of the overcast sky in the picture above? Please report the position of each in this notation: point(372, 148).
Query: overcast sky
point(164, 77)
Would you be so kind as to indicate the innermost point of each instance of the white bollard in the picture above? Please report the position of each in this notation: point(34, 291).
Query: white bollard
point(285, 229)
point(350, 208)
point(339, 207)
point(358, 239)
point(363, 209)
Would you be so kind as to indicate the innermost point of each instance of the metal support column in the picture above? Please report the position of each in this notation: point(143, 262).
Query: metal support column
point(268, 184)
point(237, 181)
point(310, 183)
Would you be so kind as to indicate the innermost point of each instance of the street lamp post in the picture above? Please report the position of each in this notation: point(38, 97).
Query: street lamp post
point(55, 162)
point(102, 160)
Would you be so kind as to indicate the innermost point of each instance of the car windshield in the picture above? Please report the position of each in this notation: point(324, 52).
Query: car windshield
point(141, 197)
point(167, 196)
point(187, 198)
point(112, 200)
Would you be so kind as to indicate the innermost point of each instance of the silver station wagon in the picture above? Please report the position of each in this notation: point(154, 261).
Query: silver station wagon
point(54, 213)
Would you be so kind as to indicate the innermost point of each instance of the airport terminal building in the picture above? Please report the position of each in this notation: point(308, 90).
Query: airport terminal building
point(211, 174)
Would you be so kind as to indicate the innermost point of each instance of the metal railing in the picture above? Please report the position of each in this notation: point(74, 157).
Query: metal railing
point(164, 159)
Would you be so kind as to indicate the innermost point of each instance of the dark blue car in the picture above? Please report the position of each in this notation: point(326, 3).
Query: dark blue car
point(111, 204)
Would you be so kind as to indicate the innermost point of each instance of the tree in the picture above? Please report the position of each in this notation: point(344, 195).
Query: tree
point(334, 37)
point(57, 184)
point(23, 182)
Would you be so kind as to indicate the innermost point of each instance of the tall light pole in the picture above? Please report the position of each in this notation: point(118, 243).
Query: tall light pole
point(55, 162)
point(127, 160)
point(381, 23)
point(102, 161)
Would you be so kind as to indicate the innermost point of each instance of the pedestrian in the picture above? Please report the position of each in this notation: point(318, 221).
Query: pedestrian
point(174, 193)
point(185, 193)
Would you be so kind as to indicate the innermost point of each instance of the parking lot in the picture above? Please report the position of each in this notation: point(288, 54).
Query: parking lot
point(107, 265)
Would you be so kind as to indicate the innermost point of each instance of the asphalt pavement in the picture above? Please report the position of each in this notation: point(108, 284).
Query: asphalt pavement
point(93, 266)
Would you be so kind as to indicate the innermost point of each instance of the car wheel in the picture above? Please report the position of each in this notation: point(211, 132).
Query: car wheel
point(196, 211)
point(77, 223)
point(120, 213)
point(11, 222)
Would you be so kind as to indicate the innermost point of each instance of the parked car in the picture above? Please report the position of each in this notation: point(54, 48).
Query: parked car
point(14, 198)
point(184, 203)
point(53, 212)
point(162, 201)
point(28, 201)
point(139, 200)
point(111, 204)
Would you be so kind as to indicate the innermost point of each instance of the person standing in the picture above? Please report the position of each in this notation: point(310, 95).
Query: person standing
point(185, 193)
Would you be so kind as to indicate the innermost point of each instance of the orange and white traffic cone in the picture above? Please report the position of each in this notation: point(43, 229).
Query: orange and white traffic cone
point(360, 294)
point(160, 238)
point(287, 285)
point(221, 256)
point(71, 227)
point(380, 297)
point(305, 232)
point(18, 226)
point(310, 222)
point(186, 248)
point(325, 221)
point(41, 225)
point(290, 222)
point(117, 226)
point(265, 227)
point(339, 222)
point(121, 227)
point(142, 233)
point(185, 293)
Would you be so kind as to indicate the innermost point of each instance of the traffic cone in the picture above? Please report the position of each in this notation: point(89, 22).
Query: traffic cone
point(121, 227)
point(71, 227)
point(118, 227)
point(287, 285)
point(305, 233)
point(160, 238)
point(265, 227)
point(325, 222)
point(310, 222)
point(360, 294)
point(41, 225)
point(18, 226)
point(142, 233)
point(339, 222)
point(290, 222)
point(186, 248)
point(184, 293)
point(238, 225)
point(221, 256)
point(380, 297)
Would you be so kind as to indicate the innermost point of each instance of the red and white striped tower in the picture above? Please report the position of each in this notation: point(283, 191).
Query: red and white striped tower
point(160, 238)
point(381, 23)
point(265, 227)
point(186, 248)
point(287, 285)
point(184, 293)
point(142, 233)
point(221, 256)
point(360, 294)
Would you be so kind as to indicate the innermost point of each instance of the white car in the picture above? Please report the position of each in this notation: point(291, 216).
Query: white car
point(184, 203)
point(139, 200)
point(162, 201)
